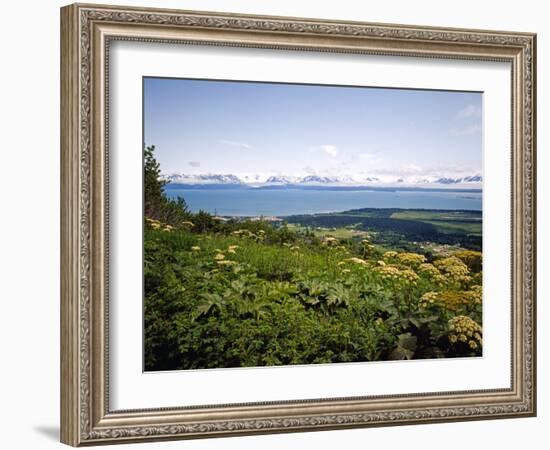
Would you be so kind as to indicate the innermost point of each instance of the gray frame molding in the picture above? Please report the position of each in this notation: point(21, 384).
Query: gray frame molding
point(86, 31)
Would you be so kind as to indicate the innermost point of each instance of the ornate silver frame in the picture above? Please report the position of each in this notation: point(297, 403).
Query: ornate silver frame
point(86, 31)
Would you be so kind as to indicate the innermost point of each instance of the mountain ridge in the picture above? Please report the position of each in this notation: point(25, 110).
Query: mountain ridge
point(209, 179)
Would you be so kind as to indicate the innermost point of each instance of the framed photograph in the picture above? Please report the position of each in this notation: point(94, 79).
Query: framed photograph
point(276, 224)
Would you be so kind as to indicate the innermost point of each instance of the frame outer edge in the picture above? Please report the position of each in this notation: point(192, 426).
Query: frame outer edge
point(79, 392)
point(533, 229)
point(535, 275)
point(69, 257)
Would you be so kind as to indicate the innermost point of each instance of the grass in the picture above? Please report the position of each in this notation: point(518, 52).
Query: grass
point(454, 227)
point(439, 215)
point(449, 222)
point(339, 233)
point(272, 262)
point(348, 232)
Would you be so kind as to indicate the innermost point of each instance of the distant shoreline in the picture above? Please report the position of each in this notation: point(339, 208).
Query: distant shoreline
point(282, 218)
point(176, 186)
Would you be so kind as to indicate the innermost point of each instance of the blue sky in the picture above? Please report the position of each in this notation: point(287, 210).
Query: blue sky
point(248, 128)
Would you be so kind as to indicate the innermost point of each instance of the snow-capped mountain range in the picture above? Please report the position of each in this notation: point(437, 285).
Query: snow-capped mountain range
point(255, 180)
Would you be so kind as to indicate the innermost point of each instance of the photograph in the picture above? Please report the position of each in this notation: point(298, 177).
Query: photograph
point(298, 224)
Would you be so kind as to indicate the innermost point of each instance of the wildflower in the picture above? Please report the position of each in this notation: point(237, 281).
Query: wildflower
point(346, 270)
point(155, 225)
point(466, 330)
point(357, 261)
point(187, 223)
point(389, 255)
point(474, 295)
point(233, 247)
point(411, 259)
point(429, 270)
point(471, 258)
point(219, 256)
point(393, 273)
point(450, 300)
point(453, 269)
point(153, 222)
point(409, 276)
point(381, 263)
point(225, 262)
point(243, 233)
point(195, 248)
point(427, 299)
point(367, 246)
point(389, 272)
point(456, 301)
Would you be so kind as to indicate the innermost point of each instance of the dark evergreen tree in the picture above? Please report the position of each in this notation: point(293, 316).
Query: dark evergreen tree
point(157, 205)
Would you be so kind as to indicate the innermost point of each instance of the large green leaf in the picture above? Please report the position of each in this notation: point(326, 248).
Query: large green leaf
point(406, 346)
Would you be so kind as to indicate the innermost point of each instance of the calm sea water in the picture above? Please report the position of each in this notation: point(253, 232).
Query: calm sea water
point(286, 202)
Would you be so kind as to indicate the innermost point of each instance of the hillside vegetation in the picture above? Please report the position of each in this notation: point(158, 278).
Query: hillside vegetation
point(400, 227)
point(243, 293)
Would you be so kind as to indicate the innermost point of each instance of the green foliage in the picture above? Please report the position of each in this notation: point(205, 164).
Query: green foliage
point(151, 179)
point(405, 348)
point(156, 205)
point(249, 294)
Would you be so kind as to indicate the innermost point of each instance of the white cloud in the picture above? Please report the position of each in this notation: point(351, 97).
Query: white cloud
point(466, 131)
point(235, 144)
point(366, 156)
point(469, 111)
point(411, 168)
point(194, 163)
point(329, 149)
